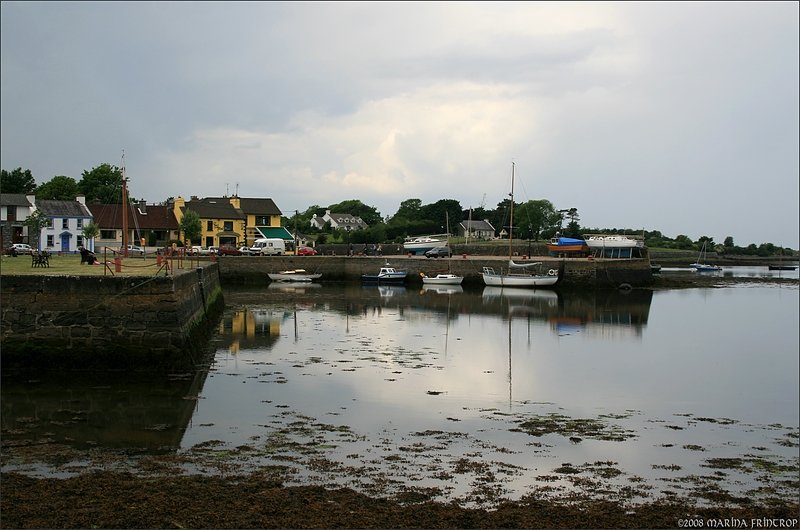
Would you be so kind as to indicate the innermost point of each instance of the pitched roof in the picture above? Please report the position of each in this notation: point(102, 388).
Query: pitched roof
point(153, 217)
point(476, 225)
point(215, 208)
point(63, 209)
point(14, 199)
point(256, 206)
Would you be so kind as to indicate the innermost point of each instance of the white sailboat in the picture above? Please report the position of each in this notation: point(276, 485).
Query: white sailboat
point(701, 266)
point(517, 274)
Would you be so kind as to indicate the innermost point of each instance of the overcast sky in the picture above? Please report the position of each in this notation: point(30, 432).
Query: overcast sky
point(677, 116)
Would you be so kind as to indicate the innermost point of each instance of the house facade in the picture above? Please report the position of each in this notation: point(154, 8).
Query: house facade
point(476, 229)
point(66, 219)
point(14, 209)
point(222, 222)
point(148, 224)
point(263, 219)
point(340, 221)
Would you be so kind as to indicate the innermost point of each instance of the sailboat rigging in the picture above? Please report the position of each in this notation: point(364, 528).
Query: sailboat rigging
point(520, 278)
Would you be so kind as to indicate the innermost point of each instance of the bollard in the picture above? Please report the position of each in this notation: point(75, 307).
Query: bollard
point(117, 264)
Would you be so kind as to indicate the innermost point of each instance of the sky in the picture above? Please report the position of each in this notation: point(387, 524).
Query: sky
point(677, 116)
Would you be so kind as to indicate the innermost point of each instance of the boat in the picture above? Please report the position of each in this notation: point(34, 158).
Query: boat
point(386, 275)
point(615, 246)
point(442, 279)
point(701, 266)
point(780, 267)
point(567, 246)
point(422, 244)
point(517, 274)
point(294, 275)
point(613, 241)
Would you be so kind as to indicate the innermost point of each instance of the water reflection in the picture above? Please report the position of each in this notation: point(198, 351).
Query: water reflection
point(602, 314)
point(108, 410)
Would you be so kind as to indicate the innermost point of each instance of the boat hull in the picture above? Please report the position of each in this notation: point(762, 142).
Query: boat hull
point(782, 267)
point(293, 277)
point(613, 241)
point(383, 278)
point(443, 279)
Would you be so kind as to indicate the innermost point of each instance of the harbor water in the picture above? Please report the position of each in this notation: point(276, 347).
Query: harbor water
point(475, 395)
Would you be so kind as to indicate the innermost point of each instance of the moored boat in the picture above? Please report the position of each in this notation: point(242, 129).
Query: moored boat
point(442, 279)
point(386, 275)
point(294, 275)
point(780, 267)
point(567, 247)
point(422, 244)
point(519, 277)
point(701, 265)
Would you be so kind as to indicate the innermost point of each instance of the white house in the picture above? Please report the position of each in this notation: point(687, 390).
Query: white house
point(342, 221)
point(63, 232)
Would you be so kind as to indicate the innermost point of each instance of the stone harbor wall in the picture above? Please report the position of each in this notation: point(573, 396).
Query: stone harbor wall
point(126, 323)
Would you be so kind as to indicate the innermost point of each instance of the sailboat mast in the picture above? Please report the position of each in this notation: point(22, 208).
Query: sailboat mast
point(124, 209)
point(511, 215)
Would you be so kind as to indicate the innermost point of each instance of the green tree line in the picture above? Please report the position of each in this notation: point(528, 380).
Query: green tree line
point(534, 220)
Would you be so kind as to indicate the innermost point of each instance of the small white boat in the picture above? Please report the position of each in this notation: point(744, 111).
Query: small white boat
point(442, 279)
point(295, 275)
point(701, 266)
point(420, 245)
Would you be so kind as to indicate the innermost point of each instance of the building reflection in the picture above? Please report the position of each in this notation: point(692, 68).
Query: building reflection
point(251, 328)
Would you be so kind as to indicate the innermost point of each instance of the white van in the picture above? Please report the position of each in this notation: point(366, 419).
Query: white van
point(268, 247)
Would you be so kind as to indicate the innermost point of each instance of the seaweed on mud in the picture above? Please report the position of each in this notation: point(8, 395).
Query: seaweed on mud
point(553, 423)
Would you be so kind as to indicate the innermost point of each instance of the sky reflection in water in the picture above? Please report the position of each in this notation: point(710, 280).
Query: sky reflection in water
point(712, 370)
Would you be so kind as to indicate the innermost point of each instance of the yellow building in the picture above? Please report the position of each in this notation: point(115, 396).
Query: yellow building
point(233, 220)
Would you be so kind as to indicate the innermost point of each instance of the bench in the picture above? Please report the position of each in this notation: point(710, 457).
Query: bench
point(40, 259)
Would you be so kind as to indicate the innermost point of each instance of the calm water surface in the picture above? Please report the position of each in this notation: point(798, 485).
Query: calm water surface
point(474, 392)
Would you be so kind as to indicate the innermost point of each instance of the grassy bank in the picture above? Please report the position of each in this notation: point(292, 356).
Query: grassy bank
point(70, 265)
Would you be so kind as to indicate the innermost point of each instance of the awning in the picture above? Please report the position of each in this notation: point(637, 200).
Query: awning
point(275, 231)
point(229, 234)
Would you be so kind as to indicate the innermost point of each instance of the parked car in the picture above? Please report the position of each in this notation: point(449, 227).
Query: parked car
point(228, 250)
point(134, 250)
point(19, 248)
point(213, 250)
point(244, 250)
point(438, 252)
point(306, 251)
point(197, 250)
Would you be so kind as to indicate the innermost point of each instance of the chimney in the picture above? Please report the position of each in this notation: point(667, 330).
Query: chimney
point(143, 207)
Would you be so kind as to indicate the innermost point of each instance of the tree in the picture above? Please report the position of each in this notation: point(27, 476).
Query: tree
point(533, 218)
point(728, 243)
point(35, 222)
point(90, 231)
point(17, 181)
point(191, 226)
point(102, 184)
point(59, 188)
point(369, 214)
point(409, 209)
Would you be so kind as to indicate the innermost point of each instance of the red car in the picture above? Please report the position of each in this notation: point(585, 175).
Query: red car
point(306, 251)
point(228, 250)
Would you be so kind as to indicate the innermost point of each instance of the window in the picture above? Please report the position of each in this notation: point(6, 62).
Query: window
point(108, 234)
point(228, 226)
point(209, 226)
point(49, 223)
point(65, 223)
point(80, 240)
point(50, 241)
point(80, 223)
point(262, 220)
